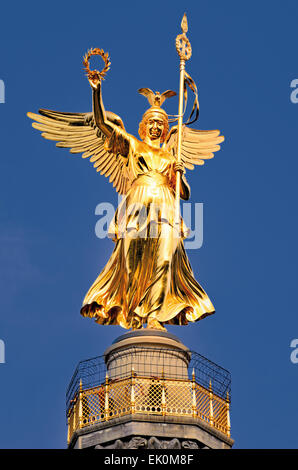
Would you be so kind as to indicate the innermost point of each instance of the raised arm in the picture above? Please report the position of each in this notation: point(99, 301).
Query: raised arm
point(98, 109)
point(117, 139)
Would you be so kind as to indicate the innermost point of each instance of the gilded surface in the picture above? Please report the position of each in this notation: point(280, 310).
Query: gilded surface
point(148, 278)
point(144, 395)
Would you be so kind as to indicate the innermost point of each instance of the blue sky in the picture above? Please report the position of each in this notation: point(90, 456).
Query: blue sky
point(244, 59)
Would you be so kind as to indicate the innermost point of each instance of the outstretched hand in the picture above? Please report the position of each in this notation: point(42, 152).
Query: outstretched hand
point(95, 82)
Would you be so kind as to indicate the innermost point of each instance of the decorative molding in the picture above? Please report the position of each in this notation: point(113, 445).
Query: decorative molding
point(139, 442)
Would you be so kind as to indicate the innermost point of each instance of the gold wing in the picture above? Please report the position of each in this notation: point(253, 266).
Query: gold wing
point(197, 146)
point(79, 132)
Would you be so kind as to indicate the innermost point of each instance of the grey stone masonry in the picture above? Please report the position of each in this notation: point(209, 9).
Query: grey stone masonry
point(187, 431)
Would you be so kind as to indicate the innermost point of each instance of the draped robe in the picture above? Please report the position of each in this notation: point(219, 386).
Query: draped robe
point(148, 274)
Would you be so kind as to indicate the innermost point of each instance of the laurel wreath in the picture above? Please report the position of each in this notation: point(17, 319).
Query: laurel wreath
point(95, 74)
point(184, 52)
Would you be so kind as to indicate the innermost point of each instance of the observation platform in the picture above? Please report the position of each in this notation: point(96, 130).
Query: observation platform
point(149, 390)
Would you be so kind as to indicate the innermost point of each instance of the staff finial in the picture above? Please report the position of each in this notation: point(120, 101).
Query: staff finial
point(184, 24)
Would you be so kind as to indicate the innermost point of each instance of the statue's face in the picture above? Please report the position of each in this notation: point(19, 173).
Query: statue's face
point(155, 127)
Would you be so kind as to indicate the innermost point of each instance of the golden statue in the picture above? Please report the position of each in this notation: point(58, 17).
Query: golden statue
point(148, 278)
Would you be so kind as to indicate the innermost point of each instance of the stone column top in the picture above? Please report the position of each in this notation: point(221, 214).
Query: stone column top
point(147, 338)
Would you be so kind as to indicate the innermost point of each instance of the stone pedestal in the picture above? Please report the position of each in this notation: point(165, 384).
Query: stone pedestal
point(151, 354)
point(139, 432)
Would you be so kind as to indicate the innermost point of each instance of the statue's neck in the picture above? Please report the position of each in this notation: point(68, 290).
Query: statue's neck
point(153, 143)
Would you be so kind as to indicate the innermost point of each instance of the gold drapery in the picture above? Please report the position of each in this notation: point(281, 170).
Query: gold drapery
point(148, 275)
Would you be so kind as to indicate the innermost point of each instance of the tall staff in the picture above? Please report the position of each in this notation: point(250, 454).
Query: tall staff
point(183, 47)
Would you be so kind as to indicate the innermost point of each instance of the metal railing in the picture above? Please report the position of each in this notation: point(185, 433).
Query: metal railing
point(92, 372)
point(147, 395)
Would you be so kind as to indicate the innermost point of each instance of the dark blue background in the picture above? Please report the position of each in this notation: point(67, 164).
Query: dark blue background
point(244, 58)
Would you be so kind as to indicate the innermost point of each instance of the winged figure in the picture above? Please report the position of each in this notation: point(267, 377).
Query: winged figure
point(148, 279)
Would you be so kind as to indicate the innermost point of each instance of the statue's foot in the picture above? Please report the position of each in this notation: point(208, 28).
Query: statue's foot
point(153, 324)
